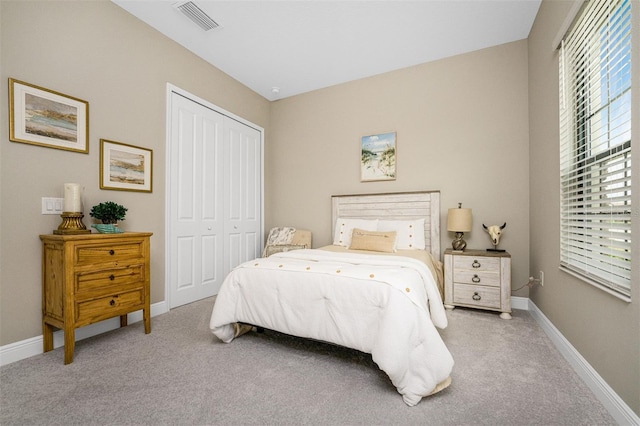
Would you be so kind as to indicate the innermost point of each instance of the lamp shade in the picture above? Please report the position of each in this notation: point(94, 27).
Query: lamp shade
point(459, 220)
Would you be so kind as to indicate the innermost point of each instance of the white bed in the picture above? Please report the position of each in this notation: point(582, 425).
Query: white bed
point(385, 304)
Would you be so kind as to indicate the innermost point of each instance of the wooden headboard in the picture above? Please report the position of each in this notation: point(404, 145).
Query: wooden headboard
point(394, 206)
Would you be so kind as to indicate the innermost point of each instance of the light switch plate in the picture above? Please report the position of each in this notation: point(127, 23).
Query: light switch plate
point(52, 205)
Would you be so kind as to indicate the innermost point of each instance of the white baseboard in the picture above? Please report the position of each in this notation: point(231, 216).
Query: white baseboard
point(27, 348)
point(618, 409)
point(520, 303)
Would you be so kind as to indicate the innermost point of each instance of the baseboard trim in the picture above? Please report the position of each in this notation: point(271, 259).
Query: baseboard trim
point(618, 409)
point(520, 303)
point(33, 346)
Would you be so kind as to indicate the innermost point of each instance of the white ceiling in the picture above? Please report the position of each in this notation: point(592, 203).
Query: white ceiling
point(303, 45)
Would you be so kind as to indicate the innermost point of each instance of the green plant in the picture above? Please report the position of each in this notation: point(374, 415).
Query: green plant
point(108, 212)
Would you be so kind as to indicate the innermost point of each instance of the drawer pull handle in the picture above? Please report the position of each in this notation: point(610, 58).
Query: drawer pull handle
point(476, 296)
point(476, 264)
point(112, 303)
point(112, 277)
point(112, 252)
point(476, 278)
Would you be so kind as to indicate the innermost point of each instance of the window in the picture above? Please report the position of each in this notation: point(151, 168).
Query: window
point(595, 147)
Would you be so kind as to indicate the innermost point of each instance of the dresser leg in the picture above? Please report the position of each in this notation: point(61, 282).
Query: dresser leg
point(505, 315)
point(449, 307)
point(47, 337)
point(123, 320)
point(146, 314)
point(69, 345)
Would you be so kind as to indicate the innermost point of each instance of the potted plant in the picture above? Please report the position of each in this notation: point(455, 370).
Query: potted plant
point(109, 213)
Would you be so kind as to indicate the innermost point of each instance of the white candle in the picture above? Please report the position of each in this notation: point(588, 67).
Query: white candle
point(72, 198)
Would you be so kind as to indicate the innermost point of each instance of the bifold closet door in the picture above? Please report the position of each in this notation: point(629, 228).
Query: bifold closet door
point(196, 207)
point(243, 198)
point(215, 199)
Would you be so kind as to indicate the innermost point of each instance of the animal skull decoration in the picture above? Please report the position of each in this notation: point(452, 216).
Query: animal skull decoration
point(494, 233)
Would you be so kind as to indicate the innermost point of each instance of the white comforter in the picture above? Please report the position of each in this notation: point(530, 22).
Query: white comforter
point(385, 306)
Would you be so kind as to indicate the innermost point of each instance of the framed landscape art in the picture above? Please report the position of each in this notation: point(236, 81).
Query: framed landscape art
point(125, 167)
point(40, 116)
point(378, 157)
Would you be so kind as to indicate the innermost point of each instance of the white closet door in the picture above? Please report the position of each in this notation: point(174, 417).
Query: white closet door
point(196, 222)
point(242, 194)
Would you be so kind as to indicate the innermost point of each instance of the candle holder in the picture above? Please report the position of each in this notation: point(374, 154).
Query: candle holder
point(72, 224)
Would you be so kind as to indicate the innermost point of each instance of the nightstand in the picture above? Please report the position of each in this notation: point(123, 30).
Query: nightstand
point(88, 278)
point(478, 279)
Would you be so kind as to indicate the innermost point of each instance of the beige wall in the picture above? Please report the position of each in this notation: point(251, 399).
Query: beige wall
point(462, 128)
point(97, 52)
point(605, 330)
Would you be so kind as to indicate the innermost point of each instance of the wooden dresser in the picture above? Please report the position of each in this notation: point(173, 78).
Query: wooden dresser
point(88, 278)
point(478, 279)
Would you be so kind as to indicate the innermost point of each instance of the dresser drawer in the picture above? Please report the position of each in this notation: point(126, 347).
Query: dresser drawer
point(108, 252)
point(476, 263)
point(103, 281)
point(480, 296)
point(93, 310)
point(478, 277)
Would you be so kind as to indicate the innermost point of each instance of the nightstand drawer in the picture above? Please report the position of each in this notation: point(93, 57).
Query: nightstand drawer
point(476, 263)
point(477, 278)
point(107, 307)
point(103, 281)
point(480, 296)
point(99, 253)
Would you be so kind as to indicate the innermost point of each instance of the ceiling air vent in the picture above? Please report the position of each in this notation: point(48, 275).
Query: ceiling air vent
point(197, 15)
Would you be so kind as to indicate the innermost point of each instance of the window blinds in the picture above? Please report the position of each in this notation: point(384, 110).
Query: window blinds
point(595, 146)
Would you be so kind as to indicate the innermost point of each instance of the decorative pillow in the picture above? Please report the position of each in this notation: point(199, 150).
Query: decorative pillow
point(344, 228)
point(373, 240)
point(410, 233)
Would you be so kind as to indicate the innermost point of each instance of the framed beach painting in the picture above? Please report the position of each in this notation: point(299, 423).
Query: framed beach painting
point(125, 167)
point(40, 116)
point(378, 158)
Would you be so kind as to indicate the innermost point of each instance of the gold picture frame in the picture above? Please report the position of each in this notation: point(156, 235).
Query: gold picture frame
point(378, 157)
point(44, 117)
point(125, 167)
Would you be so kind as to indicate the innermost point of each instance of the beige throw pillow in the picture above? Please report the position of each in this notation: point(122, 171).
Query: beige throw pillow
point(373, 240)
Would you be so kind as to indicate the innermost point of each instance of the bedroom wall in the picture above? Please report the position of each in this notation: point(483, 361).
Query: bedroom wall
point(462, 128)
point(604, 329)
point(97, 52)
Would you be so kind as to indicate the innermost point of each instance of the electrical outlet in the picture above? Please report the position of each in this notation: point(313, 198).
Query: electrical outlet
point(52, 205)
point(542, 278)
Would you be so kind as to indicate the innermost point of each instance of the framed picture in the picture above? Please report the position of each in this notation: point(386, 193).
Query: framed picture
point(378, 159)
point(125, 167)
point(40, 116)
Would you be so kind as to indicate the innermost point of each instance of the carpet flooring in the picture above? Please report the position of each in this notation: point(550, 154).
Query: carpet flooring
point(506, 373)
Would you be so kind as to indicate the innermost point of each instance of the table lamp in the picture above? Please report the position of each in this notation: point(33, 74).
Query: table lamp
point(459, 220)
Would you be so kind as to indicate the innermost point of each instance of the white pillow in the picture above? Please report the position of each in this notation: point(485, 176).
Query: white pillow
point(410, 233)
point(344, 228)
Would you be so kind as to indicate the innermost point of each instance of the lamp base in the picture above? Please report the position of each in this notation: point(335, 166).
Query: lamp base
point(459, 244)
point(71, 224)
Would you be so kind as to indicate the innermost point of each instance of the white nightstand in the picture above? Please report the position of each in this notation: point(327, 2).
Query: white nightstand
point(478, 279)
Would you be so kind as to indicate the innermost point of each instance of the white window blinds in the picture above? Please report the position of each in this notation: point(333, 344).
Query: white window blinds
point(595, 146)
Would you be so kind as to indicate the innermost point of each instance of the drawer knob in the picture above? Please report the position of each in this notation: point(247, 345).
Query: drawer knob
point(112, 303)
point(112, 277)
point(476, 278)
point(112, 252)
point(475, 264)
point(476, 296)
